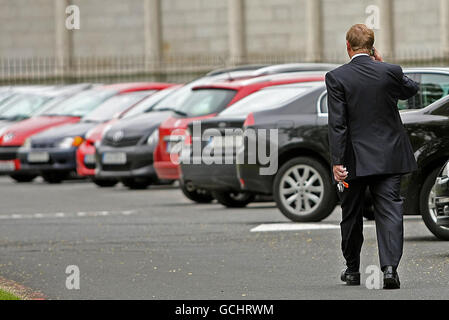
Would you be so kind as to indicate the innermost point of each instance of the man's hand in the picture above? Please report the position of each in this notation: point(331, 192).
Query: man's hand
point(340, 173)
point(377, 56)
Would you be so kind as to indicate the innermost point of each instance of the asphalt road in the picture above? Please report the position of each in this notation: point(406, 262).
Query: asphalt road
point(155, 244)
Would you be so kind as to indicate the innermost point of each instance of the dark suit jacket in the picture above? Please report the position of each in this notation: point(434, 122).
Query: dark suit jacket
point(366, 133)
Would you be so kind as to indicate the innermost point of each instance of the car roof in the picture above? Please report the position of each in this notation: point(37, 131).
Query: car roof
point(260, 81)
point(428, 69)
point(136, 86)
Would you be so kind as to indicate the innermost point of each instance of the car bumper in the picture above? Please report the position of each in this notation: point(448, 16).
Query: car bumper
point(59, 160)
point(251, 180)
point(216, 177)
point(8, 160)
point(167, 170)
point(139, 163)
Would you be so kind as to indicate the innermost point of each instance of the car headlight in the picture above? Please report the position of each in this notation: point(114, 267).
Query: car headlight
point(153, 139)
point(27, 144)
point(69, 142)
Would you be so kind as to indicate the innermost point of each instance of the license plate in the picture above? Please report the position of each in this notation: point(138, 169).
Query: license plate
point(114, 158)
point(7, 166)
point(38, 157)
point(89, 159)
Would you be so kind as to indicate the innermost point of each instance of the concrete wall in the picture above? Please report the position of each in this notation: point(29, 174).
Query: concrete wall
point(200, 27)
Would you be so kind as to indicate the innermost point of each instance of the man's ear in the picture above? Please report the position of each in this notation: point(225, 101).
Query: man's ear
point(348, 46)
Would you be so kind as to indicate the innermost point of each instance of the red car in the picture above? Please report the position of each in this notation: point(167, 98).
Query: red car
point(206, 101)
point(67, 112)
point(85, 155)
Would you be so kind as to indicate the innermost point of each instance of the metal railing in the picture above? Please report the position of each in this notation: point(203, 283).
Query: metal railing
point(49, 70)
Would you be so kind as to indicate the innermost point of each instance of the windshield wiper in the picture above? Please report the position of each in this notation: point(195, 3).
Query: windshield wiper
point(181, 113)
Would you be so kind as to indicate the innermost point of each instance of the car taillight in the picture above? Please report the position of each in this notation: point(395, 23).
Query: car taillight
point(249, 120)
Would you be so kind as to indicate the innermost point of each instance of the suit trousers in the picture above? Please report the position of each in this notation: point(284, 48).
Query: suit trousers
point(388, 214)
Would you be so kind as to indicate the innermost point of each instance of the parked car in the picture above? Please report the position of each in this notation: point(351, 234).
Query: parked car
point(52, 153)
point(206, 102)
point(439, 205)
point(67, 111)
point(85, 154)
point(131, 157)
point(222, 179)
point(303, 156)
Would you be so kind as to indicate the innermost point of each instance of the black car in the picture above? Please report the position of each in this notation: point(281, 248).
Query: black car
point(303, 154)
point(59, 144)
point(304, 167)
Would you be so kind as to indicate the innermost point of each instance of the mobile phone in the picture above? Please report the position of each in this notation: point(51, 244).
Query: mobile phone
point(372, 53)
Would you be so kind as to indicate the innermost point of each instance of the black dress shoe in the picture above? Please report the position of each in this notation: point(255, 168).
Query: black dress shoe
point(351, 278)
point(391, 278)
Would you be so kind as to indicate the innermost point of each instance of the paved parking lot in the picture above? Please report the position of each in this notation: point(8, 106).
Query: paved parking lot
point(155, 244)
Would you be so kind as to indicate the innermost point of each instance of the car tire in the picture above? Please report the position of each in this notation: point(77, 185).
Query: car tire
point(233, 199)
point(194, 194)
point(104, 183)
point(136, 184)
point(54, 177)
point(428, 216)
point(318, 199)
point(23, 178)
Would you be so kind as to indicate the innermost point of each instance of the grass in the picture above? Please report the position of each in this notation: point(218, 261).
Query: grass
point(7, 296)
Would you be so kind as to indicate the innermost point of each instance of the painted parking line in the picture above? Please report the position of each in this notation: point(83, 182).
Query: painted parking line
point(60, 215)
point(276, 227)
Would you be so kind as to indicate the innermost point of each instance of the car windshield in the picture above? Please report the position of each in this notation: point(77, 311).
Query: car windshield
point(202, 102)
point(108, 109)
point(22, 106)
point(4, 97)
point(149, 103)
point(268, 98)
point(175, 100)
point(81, 104)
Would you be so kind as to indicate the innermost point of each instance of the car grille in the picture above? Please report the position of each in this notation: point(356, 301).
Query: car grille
point(42, 145)
point(8, 153)
point(124, 167)
point(124, 142)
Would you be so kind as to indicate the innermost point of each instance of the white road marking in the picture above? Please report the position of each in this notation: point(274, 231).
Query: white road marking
point(66, 215)
point(275, 227)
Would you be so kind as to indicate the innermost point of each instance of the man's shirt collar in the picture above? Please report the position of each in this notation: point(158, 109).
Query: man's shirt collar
point(358, 55)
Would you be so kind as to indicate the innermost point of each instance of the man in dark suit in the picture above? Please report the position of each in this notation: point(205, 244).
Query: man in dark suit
point(369, 148)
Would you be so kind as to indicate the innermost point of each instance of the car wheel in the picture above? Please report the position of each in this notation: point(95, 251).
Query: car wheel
point(196, 195)
point(135, 184)
point(54, 177)
point(21, 178)
point(303, 190)
point(234, 199)
point(428, 209)
point(104, 183)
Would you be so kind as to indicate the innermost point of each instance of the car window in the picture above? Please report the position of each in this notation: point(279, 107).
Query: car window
point(265, 99)
point(114, 105)
point(432, 87)
point(148, 103)
point(22, 106)
point(81, 104)
point(202, 102)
